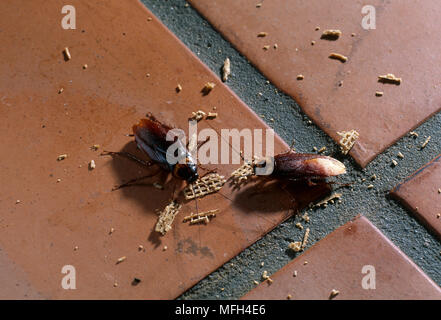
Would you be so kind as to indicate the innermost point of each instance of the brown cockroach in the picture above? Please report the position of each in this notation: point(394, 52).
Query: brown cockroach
point(150, 136)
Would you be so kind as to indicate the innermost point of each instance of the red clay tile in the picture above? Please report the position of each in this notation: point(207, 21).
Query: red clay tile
point(405, 43)
point(67, 221)
point(421, 194)
point(336, 263)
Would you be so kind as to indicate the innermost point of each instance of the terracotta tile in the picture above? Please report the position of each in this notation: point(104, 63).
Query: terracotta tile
point(67, 221)
point(404, 43)
point(336, 263)
point(421, 194)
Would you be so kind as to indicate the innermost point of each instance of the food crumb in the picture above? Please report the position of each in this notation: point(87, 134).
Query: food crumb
point(166, 217)
point(198, 115)
point(266, 47)
point(389, 78)
point(136, 281)
point(300, 77)
point(426, 142)
point(413, 134)
point(305, 263)
point(76, 248)
point(149, 19)
point(208, 87)
point(331, 34)
point(394, 163)
point(67, 55)
point(379, 93)
point(295, 273)
point(299, 225)
point(400, 155)
point(60, 90)
point(289, 297)
point(338, 56)
point(262, 34)
point(255, 282)
point(58, 180)
point(140, 247)
point(371, 186)
point(165, 248)
point(17, 201)
point(305, 238)
point(312, 42)
point(212, 115)
point(178, 88)
point(115, 284)
point(85, 66)
point(295, 246)
point(348, 140)
point(258, 5)
point(275, 46)
point(317, 28)
point(95, 147)
point(322, 149)
point(120, 259)
point(92, 165)
point(226, 70)
point(333, 294)
point(62, 157)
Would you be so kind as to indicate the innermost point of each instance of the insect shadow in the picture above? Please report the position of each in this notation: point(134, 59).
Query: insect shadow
point(145, 192)
point(266, 196)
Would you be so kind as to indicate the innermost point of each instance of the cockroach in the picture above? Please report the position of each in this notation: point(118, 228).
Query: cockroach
point(291, 166)
point(150, 136)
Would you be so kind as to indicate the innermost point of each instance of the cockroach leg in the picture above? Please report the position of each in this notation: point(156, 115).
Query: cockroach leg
point(128, 156)
point(133, 181)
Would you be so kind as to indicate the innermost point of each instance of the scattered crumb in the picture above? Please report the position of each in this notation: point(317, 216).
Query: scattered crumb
point(166, 217)
point(439, 190)
point(389, 78)
point(265, 275)
point(60, 90)
point(136, 281)
point(178, 88)
point(226, 70)
point(275, 46)
point(62, 157)
point(115, 284)
point(95, 147)
point(353, 34)
point(92, 165)
point(140, 247)
point(270, 281)
point(208, 87)
point(394, 163)
point(374, 177)
point(85, 66)
point(331, 34)
point(147, 75)
point(121, 259)
point(266, 47)
point(338, 56)
point(400, 155)
point(256, 282)
point(426, 142)
point(208, 184)
point(413, 134)
point(379, 93)
point(312, 42)
point(76, 248)
point(149, 19)
point(289, 297)
point(305, 238)
point(333, 294)
point(305, 217)
point(371, 186)
point(317, 28)
point(305, 263)
point(322, 149)
point(262, 264)
point(242, 173)
point(17, 201)
point(438, 215)
point(295, 246)
point(300, 77)
point(348, 140)
point(111, 230)
point(58, 180)
point(328, 199)
point(67, 55)
point(295, 273)
point(258, 5)
point(262, 34)
point(198, 115)
point(201, 217)
point(299, 225)
point(164, 248)
point(211, 115)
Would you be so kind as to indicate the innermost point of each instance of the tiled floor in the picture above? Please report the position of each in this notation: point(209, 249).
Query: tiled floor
point(356, 260)
point(68, 222)
point(342, 96)
point(421, 194)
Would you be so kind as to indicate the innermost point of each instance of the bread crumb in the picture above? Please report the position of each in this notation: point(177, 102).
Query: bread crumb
point(379, 93)
point(305, 263)
point(121, 259)
point(92, 165)
point(266, 47)
point(299, 225)
point(413, 134)
point(262, 34)
point(226, 70)
point(149, 19)
point(331, 34)
point(322, 149)
point(258, 5)
point(208, 184)
point(400, 155)
point(140, 247)
point(305, 238)
point(76, 248)
point(95, 147)
point(242, 173)
point(211, 115)
point(178, 88)
point(17, 201)
point(201, 217)
point(166, 217)
point(394, 163)
point(111, 230)
point(198, 115)
point(338, 56)
point(317, 28)
point(208, 87)
point(295, 273)
point(67, 55)
point(371, 186)
point(295, 246)
point(426, 142)
point(289, 297)
point(333, 294)
point(164, 248)
point(255, 282)
point(60, 90)
point(275, 46)
point(62, 157)
point(300, 77)
point(348, 140)
point(312, 42)
point(326, 200)
point(389, 78)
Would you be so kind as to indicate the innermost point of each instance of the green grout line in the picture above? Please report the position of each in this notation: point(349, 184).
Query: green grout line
point(400, 226)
